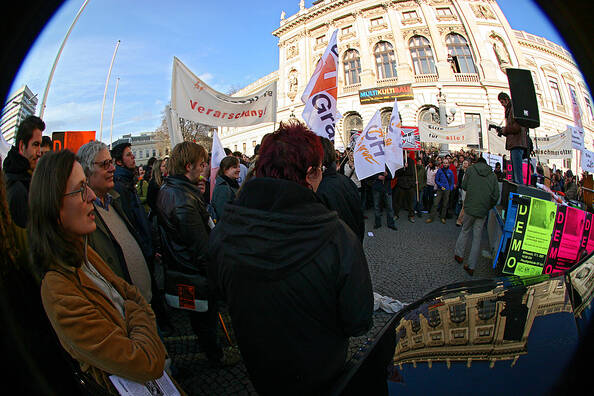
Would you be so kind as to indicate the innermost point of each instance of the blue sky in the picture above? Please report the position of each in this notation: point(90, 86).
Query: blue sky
point(227, 44)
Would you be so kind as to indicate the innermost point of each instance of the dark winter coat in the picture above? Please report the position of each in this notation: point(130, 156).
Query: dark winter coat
point(406, 176)
point(18, 179)
point(296, 282)
point(224, 192)
point(126, 187)
point(183, 225)
point(482, 190)
point(339, 193)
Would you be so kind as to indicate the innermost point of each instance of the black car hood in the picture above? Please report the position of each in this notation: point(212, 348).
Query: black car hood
point(492, 336)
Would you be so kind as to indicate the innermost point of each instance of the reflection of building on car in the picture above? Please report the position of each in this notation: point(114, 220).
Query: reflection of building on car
point(475, 327)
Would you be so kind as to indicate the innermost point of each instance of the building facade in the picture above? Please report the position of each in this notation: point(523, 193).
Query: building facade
point(144, 146)
point(19, 105)
point(424, 52)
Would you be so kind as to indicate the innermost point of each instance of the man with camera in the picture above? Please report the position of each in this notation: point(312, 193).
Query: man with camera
point(516, 137)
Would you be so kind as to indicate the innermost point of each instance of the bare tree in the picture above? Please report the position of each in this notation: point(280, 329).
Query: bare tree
point(191, 132)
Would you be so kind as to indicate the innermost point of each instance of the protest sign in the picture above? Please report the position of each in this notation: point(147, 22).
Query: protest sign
point(553, 147)
point(577, 132)
point(194, 100)
point(588, 160)
point(587, 243)
point(411, 138)
point(529, 244)
point(459, 134)
point(393, 141)
point(369, 155)
point(320, 96)
point(493, 159)
point(495, 143)
point(566, 240)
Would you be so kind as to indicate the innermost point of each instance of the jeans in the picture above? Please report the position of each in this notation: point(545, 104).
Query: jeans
point(474, 224)
point(516, 159)
point(428, 192)
point(386, 197)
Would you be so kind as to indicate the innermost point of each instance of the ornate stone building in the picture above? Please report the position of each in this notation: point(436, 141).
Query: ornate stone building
point(424, 52)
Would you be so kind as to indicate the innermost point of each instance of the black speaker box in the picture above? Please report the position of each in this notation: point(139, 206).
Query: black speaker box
point(510, 187)
point(523, 97)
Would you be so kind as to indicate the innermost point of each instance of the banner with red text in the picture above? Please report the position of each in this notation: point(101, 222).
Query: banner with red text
point(393, 141)
point(459, 134)
point(320, 112)
point(194, 100)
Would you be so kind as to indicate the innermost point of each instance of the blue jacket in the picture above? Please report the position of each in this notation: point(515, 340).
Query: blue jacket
point(444, 179)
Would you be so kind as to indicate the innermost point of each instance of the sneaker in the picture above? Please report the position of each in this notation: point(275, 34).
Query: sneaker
point(458, 259)
point(411, 219)
point(429, 221)
point(442, 221)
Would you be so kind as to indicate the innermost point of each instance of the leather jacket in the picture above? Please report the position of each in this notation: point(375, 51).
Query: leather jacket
point(183, 225)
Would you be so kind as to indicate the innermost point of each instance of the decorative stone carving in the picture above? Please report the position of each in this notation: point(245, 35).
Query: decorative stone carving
point(403, 5)
point(501, 52)
point(482, 11)
point(292, 51)
point(384, 37)
point(445, 30)
point(375, 11)
point(408, 33)
point(411, 21)
point(293, 84)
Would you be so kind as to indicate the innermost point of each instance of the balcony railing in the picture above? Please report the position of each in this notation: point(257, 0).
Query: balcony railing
point(351, 88)
point(466, 77)
point(387, 81)
point(425, 78)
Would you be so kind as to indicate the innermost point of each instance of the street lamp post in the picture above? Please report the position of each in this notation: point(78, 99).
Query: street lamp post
point(444, 118)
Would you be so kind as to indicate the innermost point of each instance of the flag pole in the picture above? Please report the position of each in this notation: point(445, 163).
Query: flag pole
point(105, 91)
point(113, 112)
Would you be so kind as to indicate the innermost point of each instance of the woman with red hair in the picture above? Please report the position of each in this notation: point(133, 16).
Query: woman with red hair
point(294, 276)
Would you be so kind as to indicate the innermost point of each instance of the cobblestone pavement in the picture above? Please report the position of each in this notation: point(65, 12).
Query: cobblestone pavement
point(404, 264)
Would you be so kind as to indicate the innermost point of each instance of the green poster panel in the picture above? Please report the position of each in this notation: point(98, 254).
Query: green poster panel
point(531, 238)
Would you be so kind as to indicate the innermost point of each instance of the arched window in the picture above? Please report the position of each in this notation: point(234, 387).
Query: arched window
point(434, 318)
point(353, 123)
point(352, 67)
point(427, 115)
point(458, 313)
point(487, 308)
point(422, 55)
point(385, 60)
point(459, 51)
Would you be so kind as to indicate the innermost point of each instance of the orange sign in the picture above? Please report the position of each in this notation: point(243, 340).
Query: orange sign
point(71, 140)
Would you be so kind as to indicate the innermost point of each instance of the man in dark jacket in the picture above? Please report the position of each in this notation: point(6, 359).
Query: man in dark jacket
point(516, 138)
point(405, 190)
point(125, 185)
point(19, 165)
point(381, 188)
point(444, 182)
point(482, 193)
point(339, 193)
point(184, 228)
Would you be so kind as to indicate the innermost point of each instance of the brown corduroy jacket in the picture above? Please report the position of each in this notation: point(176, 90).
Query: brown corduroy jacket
point(94, 332)
point(516, 136)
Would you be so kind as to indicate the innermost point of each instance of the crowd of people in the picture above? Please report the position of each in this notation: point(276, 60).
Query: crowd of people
point(96, 251)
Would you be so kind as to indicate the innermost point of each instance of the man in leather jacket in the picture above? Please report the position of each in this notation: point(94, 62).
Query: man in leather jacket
point(184, 229)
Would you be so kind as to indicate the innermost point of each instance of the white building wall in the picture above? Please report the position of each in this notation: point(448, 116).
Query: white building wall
point(303, 38)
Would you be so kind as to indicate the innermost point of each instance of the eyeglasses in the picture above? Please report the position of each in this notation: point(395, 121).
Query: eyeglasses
point(105, 164)
point(84, 191)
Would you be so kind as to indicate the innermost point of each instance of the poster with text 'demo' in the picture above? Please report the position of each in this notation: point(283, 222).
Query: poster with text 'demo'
point(567, 238)
point(531, 238)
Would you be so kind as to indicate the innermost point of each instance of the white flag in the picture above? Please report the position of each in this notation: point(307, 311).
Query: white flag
point(218, 153)
point(4, 147)
point(175, 135)
point(369, 155)
point(393, 142)
point(320, 112)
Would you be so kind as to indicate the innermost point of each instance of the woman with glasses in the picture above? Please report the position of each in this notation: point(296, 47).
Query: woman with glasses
point(293, 274)
point(226, 185)
point(101, 320)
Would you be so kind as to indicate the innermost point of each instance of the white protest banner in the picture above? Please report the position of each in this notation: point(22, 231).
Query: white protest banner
point(495, 143)
point(320, 112)
point(493, 159)
point(411, 138)
point(577, 137)
point(218, 153)
point(175, 135)
point(553, 147)
point(588, 160)
point(577, 132)
point(459, 134)
point(393, 141)
point(369, 155)
point(4, 147)
point(193, 100)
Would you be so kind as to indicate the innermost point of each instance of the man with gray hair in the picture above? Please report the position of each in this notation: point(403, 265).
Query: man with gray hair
point(115, 239)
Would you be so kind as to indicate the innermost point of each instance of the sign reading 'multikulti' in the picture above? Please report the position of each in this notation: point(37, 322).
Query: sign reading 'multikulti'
point(386, 94)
